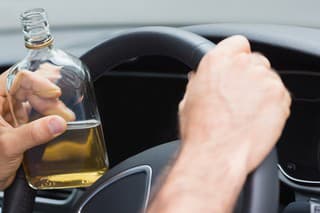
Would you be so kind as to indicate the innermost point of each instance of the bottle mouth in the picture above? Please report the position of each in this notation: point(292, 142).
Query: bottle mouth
point(33, 16)
point(35, 27)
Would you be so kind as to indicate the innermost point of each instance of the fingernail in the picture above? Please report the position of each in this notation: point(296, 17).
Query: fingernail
point(71, 116)
point(56, 125)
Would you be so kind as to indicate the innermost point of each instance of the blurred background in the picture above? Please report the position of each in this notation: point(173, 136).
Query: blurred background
point(163, 12)
point(79, 25)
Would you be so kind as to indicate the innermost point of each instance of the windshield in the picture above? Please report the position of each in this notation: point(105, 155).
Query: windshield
point(63, 13)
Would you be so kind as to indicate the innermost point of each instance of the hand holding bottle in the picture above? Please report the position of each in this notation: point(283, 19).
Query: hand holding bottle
point(33, 90)
point(29, 90)
point(49, 81)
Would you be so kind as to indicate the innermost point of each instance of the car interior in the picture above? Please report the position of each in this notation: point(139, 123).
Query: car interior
point(138, 96)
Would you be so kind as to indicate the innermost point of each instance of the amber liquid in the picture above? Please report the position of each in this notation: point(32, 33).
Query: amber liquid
point(76, 158)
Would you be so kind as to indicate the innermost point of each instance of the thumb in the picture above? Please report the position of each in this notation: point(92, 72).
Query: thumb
point(35, 133)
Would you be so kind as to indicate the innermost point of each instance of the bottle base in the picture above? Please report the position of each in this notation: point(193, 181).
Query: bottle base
point(63, 181)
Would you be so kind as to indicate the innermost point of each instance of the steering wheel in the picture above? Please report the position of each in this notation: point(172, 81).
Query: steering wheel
point(127, 186)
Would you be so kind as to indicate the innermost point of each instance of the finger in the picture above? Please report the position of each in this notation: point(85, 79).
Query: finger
point(181, 105)
point(10, 110)
point(284, 98)
point(4, 123)
point(191, 78)
point(259, 59)
point(267, 72)
point(190, 75)
point(21, 94)
point(2, 102)
point(233, 46)
point(227, 48)
point(51, 107)
point(3, 82)
point(49, 71)
point(287, 103)
point(8, 118)
point(27, 136)
point(21, 111)
point(38, 85)
point(274, 74)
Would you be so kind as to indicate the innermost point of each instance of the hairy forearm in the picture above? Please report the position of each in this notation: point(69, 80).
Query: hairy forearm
point(233, 100)
point(205, 178)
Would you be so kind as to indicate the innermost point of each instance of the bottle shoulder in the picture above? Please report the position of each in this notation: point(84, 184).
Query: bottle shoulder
point(57, 57)
point(62, 58)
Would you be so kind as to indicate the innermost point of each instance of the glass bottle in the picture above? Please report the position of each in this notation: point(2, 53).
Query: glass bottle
point(77, 158)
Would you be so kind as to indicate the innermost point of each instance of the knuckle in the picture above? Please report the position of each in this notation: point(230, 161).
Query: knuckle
point(39, 132)
point(274, 74)
point(210, 56)
point(289, 97)
point(34, 133)
point(181, 105)
point(214, 55)
point(261, 59)
point(262, 71)
point(22, 75)
point(287, 112)
point(242, 40)
point(242, 60)
point(26, 73)
point(288, 102)
point(276, 89)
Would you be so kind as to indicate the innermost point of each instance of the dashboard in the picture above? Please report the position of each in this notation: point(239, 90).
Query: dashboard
point(298, 147)
point(153, 86)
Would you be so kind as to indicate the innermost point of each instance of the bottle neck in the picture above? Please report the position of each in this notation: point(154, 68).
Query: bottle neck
point(36, 29)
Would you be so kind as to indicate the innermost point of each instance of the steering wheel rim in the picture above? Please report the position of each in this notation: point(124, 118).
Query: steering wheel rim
point(261, 191)
point(164, 41)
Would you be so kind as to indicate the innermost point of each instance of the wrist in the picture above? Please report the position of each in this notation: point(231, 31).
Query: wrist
point(232, 147)
point(230, 154)
point(201, 170)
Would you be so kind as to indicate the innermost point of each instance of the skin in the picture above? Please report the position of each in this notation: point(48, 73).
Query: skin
point(232, 114)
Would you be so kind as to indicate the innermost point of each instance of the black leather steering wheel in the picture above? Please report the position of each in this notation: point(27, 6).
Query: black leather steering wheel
point(127, 186)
